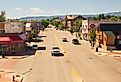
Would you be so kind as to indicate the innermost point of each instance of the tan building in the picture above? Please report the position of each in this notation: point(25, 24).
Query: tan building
point(108, 35)
point(12, 37)
point(2, 27)
point(12, 27)
point(69, 20)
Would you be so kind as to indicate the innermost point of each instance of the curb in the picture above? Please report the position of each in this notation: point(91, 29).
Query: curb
point(22, 57)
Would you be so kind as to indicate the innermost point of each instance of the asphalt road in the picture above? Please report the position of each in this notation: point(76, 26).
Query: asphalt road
point(79, 63)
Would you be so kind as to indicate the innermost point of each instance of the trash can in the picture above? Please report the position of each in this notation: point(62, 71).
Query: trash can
point(96, 49)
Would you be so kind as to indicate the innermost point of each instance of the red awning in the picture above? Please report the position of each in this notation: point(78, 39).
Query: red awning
point(10, 39)
point(5, 40)
point(16, 39)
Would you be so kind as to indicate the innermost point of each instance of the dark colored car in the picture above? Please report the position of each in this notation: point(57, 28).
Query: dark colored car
point(75, 41)
point(64, 39)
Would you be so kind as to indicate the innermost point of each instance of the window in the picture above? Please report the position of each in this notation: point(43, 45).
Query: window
point(19, 45)
point(19, 25)
point(118, 41)
point(2, 31)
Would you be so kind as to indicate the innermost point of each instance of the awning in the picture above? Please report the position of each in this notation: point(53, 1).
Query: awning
point(16, 39)
point(5, 39)
point(10, 39)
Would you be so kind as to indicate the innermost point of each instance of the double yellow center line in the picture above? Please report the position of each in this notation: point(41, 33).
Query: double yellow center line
point(75, 75)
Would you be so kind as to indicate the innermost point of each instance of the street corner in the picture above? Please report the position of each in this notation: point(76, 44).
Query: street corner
point(3, 78)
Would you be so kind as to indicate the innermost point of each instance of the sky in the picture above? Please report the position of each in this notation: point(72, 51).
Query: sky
point(23, 8)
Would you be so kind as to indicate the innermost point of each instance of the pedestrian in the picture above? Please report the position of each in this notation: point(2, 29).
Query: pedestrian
point(13, 78)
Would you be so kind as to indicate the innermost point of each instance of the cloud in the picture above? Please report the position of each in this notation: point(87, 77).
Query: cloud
point(18, 9)
point(53, 12)
point(35, 11)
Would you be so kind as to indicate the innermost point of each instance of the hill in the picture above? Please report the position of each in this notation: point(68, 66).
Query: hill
point(63, 16)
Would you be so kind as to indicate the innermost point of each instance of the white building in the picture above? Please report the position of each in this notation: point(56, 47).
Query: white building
point(88, 25)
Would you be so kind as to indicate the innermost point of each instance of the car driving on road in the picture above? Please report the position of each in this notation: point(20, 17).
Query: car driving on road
point(64, 39)
point(55, 50)
point(35, 47)
point(75, 41)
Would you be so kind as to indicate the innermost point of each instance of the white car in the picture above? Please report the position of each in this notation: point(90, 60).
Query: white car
point(55, 50)
point(35, 47)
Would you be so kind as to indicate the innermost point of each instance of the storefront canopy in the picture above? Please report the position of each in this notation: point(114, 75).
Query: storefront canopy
point(10, 39)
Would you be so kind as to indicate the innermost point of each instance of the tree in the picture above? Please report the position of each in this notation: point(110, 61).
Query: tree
point(2, 16)
point(45, 22)
point(77, 25)
point(108, 17)
point(92, 36)
point(60, 26)
point(114, 18)
point(101, 16)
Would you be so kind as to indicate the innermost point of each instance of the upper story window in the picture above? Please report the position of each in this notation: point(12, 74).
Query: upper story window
point(2, 31)
point(19, 25)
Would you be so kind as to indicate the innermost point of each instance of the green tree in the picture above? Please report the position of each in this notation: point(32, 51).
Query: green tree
point(2, 16)
point(108, 17)
point(92, 36)
point(77, 25)
point(101, 16)
point(45, 22)
point(60, 26)
point(114, 18)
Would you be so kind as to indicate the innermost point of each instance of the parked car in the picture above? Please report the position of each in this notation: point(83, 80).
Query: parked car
point(35, 47)
point(55, 50)
point(64, 39)
point(75, 41)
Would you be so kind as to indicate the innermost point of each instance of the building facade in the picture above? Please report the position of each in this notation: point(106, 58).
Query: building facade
point(87, 26)
point(12, 37)
point(108, 35)
point(69, 20)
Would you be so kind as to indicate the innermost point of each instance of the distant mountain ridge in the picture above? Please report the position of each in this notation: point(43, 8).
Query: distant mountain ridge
point(41, 17)
point(63, 16)
point(113, 13)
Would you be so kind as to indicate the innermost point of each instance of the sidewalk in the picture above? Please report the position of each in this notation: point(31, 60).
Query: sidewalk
point(115, 53)
point(8, 63)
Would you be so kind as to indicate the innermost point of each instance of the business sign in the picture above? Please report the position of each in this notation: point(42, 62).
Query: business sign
point(92, 25)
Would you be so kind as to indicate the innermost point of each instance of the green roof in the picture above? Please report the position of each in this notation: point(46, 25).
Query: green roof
point(108, 33)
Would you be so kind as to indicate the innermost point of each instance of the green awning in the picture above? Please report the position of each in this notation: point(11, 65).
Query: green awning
point(109, 33)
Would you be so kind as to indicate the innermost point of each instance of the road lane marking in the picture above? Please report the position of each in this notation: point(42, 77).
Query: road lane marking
point(76, 76)
point(60, 45)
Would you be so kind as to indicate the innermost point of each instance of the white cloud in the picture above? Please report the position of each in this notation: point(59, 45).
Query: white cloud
point(52, 12)
point(18, 9)
point(35, 11)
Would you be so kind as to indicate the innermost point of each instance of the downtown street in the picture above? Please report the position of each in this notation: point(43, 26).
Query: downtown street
point(79, 63)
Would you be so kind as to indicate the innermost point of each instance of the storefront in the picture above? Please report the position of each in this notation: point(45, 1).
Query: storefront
point(11, 45)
